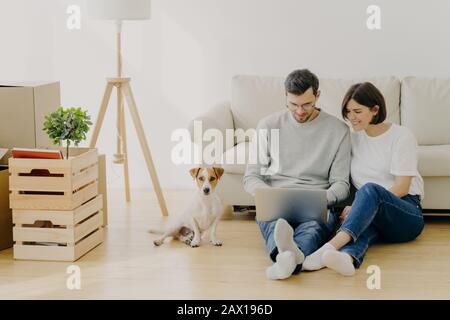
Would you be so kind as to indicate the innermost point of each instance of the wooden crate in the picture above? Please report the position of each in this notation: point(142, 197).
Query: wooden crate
point(54, 184)
point(58, 235)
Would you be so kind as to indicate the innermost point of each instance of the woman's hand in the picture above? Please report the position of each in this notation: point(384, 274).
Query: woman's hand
point(344, 214)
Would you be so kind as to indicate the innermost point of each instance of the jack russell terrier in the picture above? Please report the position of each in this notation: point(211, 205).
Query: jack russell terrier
point(202, 214)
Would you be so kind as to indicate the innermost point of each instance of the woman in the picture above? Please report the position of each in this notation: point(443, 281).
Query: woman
point(384, 170)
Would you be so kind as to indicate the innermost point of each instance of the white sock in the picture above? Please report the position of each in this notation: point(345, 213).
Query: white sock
point(340, 262)
point(283, 268)
point(284, 239)
point(314, 261)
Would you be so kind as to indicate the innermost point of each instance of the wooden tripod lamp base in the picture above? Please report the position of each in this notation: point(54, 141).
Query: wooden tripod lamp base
point(124, 90)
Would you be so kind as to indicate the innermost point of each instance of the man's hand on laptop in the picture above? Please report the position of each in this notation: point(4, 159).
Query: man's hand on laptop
point(344, 214)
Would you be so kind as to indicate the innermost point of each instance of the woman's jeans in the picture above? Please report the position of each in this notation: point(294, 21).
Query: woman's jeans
point(378, 214)
point(309, 236)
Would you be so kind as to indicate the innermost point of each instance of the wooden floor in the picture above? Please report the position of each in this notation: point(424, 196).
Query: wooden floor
point(127, 266)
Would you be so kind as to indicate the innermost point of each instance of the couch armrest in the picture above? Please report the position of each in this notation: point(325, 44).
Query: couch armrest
point(219, 117)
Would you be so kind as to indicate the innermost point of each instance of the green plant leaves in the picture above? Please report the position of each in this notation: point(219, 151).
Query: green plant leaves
point(70, 125)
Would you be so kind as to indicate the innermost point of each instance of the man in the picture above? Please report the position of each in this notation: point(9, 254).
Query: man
point(314, 153)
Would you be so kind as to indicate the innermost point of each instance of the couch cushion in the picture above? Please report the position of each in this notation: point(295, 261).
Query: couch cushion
point(425, 109)
point(234, 159)
point(434, 161)
point(254, 97)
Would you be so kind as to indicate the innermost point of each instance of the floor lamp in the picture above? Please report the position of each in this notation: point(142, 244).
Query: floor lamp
point(118, 11)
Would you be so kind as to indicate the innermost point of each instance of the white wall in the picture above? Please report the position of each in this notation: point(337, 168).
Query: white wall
point(182, 60)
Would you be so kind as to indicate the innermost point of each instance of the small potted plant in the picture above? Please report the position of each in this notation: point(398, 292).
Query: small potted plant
point(69, 125)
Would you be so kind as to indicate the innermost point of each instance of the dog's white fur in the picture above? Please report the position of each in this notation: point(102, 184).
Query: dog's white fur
point(203, 213)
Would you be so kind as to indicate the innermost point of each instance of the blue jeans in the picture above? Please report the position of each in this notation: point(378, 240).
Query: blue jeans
point(309, 236)
point(378, 214)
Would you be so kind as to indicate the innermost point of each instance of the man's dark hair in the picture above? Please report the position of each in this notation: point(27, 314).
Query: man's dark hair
point(368, 95)
point(298, 81)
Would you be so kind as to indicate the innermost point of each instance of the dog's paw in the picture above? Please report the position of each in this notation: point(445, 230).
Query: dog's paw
point(216, 243)
point(194, 244)
point(157, 243)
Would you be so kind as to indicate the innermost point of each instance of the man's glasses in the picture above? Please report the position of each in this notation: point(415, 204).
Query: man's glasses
point(306, 107)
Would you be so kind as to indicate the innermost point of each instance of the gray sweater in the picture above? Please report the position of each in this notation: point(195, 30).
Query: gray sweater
point(312, 155)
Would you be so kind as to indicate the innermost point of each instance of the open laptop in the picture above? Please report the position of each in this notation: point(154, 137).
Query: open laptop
point(294, 205)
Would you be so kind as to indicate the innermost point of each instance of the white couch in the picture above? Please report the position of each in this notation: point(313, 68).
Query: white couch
point(423, 105)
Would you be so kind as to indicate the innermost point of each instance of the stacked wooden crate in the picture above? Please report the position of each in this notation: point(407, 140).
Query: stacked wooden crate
point(57, 209)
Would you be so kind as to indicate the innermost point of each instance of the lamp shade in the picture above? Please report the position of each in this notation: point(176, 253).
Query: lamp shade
point(119, 9)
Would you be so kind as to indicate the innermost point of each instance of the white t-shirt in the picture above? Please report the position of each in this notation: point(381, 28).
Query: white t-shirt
point(380, 159)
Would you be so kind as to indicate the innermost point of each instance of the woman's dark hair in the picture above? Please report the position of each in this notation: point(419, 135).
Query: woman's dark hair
point(368, 95)
point(298, 81)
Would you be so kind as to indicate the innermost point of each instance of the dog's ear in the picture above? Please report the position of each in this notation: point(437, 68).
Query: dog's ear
point(194, 172)
point(218, 171)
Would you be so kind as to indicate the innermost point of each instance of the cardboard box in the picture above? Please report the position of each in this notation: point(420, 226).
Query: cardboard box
point(6, 235)
point(23, 107)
